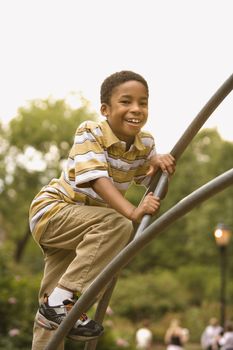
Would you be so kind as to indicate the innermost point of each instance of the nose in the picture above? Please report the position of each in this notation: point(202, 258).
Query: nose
point(135, 108)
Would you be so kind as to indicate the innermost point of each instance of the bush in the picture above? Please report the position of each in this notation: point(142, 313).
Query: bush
point(154, 293)
point(18, 304)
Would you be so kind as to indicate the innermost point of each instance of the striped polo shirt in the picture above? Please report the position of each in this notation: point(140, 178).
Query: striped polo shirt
point(96, 152)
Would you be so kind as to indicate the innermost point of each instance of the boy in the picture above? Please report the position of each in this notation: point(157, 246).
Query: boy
point(82, 220)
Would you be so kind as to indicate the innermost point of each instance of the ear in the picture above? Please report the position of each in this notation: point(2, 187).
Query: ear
point(104, 109)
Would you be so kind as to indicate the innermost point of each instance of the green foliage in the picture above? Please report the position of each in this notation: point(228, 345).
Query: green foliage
point(135, 193)
point(159, 291)
point(17, 304)
point(33, 147)
point(154, 293)
point(47, 122)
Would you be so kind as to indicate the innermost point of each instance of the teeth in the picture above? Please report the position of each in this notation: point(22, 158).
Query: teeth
point(134, 120)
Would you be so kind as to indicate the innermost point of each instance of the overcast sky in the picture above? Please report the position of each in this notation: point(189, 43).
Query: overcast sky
point(184, 49)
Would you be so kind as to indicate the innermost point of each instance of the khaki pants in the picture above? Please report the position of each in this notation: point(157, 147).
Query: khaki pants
point(78, 243)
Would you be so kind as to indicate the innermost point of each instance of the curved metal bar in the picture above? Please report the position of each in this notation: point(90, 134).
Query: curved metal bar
point(159, 183)
point(180, 146)
point(190, 133)
point(101, 310)
point(104, 301)
point(158, 192)
point(123, 258)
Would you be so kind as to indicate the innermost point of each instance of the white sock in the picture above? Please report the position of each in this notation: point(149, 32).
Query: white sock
point(58, 295)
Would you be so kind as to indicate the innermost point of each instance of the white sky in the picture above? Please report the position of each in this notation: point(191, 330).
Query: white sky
point(184, 49)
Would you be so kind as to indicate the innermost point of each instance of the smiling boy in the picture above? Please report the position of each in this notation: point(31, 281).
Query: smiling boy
point(82, 220)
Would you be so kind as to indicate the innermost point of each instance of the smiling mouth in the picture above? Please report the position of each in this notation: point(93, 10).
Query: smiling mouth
point(134, 121)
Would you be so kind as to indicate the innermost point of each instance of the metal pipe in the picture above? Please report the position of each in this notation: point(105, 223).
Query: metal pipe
point(121, 260)
point(104, 301)
point(101, 310)
point(158, 192)
point(188, 136)
point(222, 250)
point(177, 150)
point(159, 182)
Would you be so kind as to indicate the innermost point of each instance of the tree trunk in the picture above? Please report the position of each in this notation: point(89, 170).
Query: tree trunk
point(21, 245)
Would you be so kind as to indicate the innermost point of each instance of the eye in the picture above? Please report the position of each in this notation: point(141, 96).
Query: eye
point(125, 102)
point(144, 103)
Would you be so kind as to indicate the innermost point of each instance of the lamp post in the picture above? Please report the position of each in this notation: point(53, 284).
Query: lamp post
point(222, 236)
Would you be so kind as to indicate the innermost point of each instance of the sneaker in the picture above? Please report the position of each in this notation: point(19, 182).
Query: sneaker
point(50, 317)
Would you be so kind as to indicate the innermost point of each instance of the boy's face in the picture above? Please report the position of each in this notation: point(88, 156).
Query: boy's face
point(128, 110)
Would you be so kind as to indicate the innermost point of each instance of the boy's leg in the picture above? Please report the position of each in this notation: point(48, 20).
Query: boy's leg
point(41, 338)
point(54, 269)
point(78, 243)
point(56, 263)
point(96, 234)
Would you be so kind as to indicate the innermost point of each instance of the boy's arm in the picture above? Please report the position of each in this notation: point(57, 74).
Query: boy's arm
point(110, 194)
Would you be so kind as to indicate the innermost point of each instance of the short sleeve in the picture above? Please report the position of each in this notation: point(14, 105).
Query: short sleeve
point(88, 158)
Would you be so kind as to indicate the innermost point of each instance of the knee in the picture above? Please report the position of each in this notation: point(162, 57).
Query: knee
point(123, 226)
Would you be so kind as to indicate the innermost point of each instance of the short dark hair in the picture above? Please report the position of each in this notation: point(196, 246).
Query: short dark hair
point(116, 79)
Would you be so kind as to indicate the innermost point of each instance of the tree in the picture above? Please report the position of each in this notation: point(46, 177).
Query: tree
point(190, 239)
point(33, 149)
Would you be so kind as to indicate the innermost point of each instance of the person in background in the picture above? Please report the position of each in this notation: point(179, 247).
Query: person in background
point(226, 340)
point(176, 336)
point(144, 336)
point(210, 335)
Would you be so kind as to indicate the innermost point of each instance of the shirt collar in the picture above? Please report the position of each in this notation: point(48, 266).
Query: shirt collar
point(110, 138)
